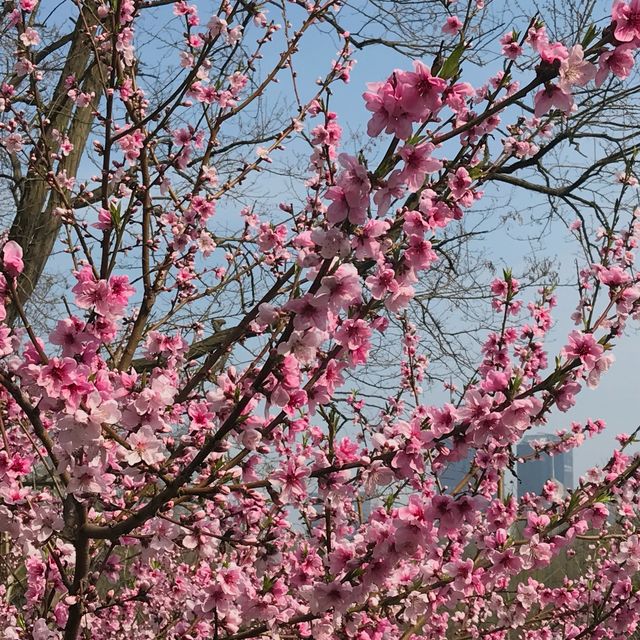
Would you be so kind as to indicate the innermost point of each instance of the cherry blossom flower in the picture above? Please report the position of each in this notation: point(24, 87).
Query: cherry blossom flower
point(422, 91)
point(290, 480)
point(618, 61)
point(550, 96)
point(12, 259)
point(417, 163)
point(386, 101)
point(145, 447)
point(584, 347)
point(575, 70)
point(627, 20)
point(452, 25)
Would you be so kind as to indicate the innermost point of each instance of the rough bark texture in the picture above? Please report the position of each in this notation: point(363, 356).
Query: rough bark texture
point(35, 227)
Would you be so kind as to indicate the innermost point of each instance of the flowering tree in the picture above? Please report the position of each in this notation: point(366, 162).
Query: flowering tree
point(162, 480)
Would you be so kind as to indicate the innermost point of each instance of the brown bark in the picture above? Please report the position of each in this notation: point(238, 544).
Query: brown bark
point(35, 227)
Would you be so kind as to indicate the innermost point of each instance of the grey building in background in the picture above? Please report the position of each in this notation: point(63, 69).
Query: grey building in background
point(533, 473)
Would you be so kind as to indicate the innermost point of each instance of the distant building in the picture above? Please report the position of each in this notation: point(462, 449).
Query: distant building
point(533, 473)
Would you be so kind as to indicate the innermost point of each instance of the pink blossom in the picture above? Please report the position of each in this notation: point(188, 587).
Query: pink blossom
point(107, 298)
point(333, 595)
point(382, 282)
point(89, 478)
point(452, 25)
point(575, 70)
point(445, 510)
point(304, 346)
point(421, 91)
point(519, 413)
point(30, 37)
point(583, 346)
point(613, 276)
point(550, 96)
point(552, 52)
point(537, 37)
point(70, 334)
point(353, 334)
point(145, 447)
point(511, 48)
point(602, 364)
point(618, 61)
point(457, 97)
point(341, 289)
point(459, 182)
point(346, 206)
point(627, 20)
point(85, 426)
point(155, 397)
point(290, 480)
point(309, 312)
point(386, 101)
point(417, 163)
point(399, 298)
point(13, 143)
point(366, 244)
point(12, 259)
point(419, 254)
point(461, 571)
point(392, 189)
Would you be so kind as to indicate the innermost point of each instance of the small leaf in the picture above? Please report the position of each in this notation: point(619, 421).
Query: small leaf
point(267, 583)
point(389, 500)
point(416, 139)
point(477, 171)
point(589, 36)
point(116, 214)
point(451, 65)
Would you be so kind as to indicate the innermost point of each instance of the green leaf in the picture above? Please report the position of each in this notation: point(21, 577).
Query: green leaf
point(589, 36)
point(416, 139)
point(267, 583)
point(515, 384)
point(389, 500)
point(451, 65)
point(477, 171)
point(116, 214)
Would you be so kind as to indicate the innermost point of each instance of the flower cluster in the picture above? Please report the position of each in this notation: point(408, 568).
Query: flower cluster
point(160, 479)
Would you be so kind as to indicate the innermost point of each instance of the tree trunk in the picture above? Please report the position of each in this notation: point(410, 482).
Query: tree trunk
point(35, 227)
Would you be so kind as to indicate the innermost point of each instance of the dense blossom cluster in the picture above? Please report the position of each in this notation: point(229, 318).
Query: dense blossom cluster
point(150, 489)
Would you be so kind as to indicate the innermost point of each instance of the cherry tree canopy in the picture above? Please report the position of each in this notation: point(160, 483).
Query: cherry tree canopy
point(162, 480)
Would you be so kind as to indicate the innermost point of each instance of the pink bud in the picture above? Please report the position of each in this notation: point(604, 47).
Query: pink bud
point(12, 259)
point(501, 536)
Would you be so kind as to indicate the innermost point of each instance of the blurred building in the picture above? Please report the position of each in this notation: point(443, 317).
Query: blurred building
point(533, 473)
